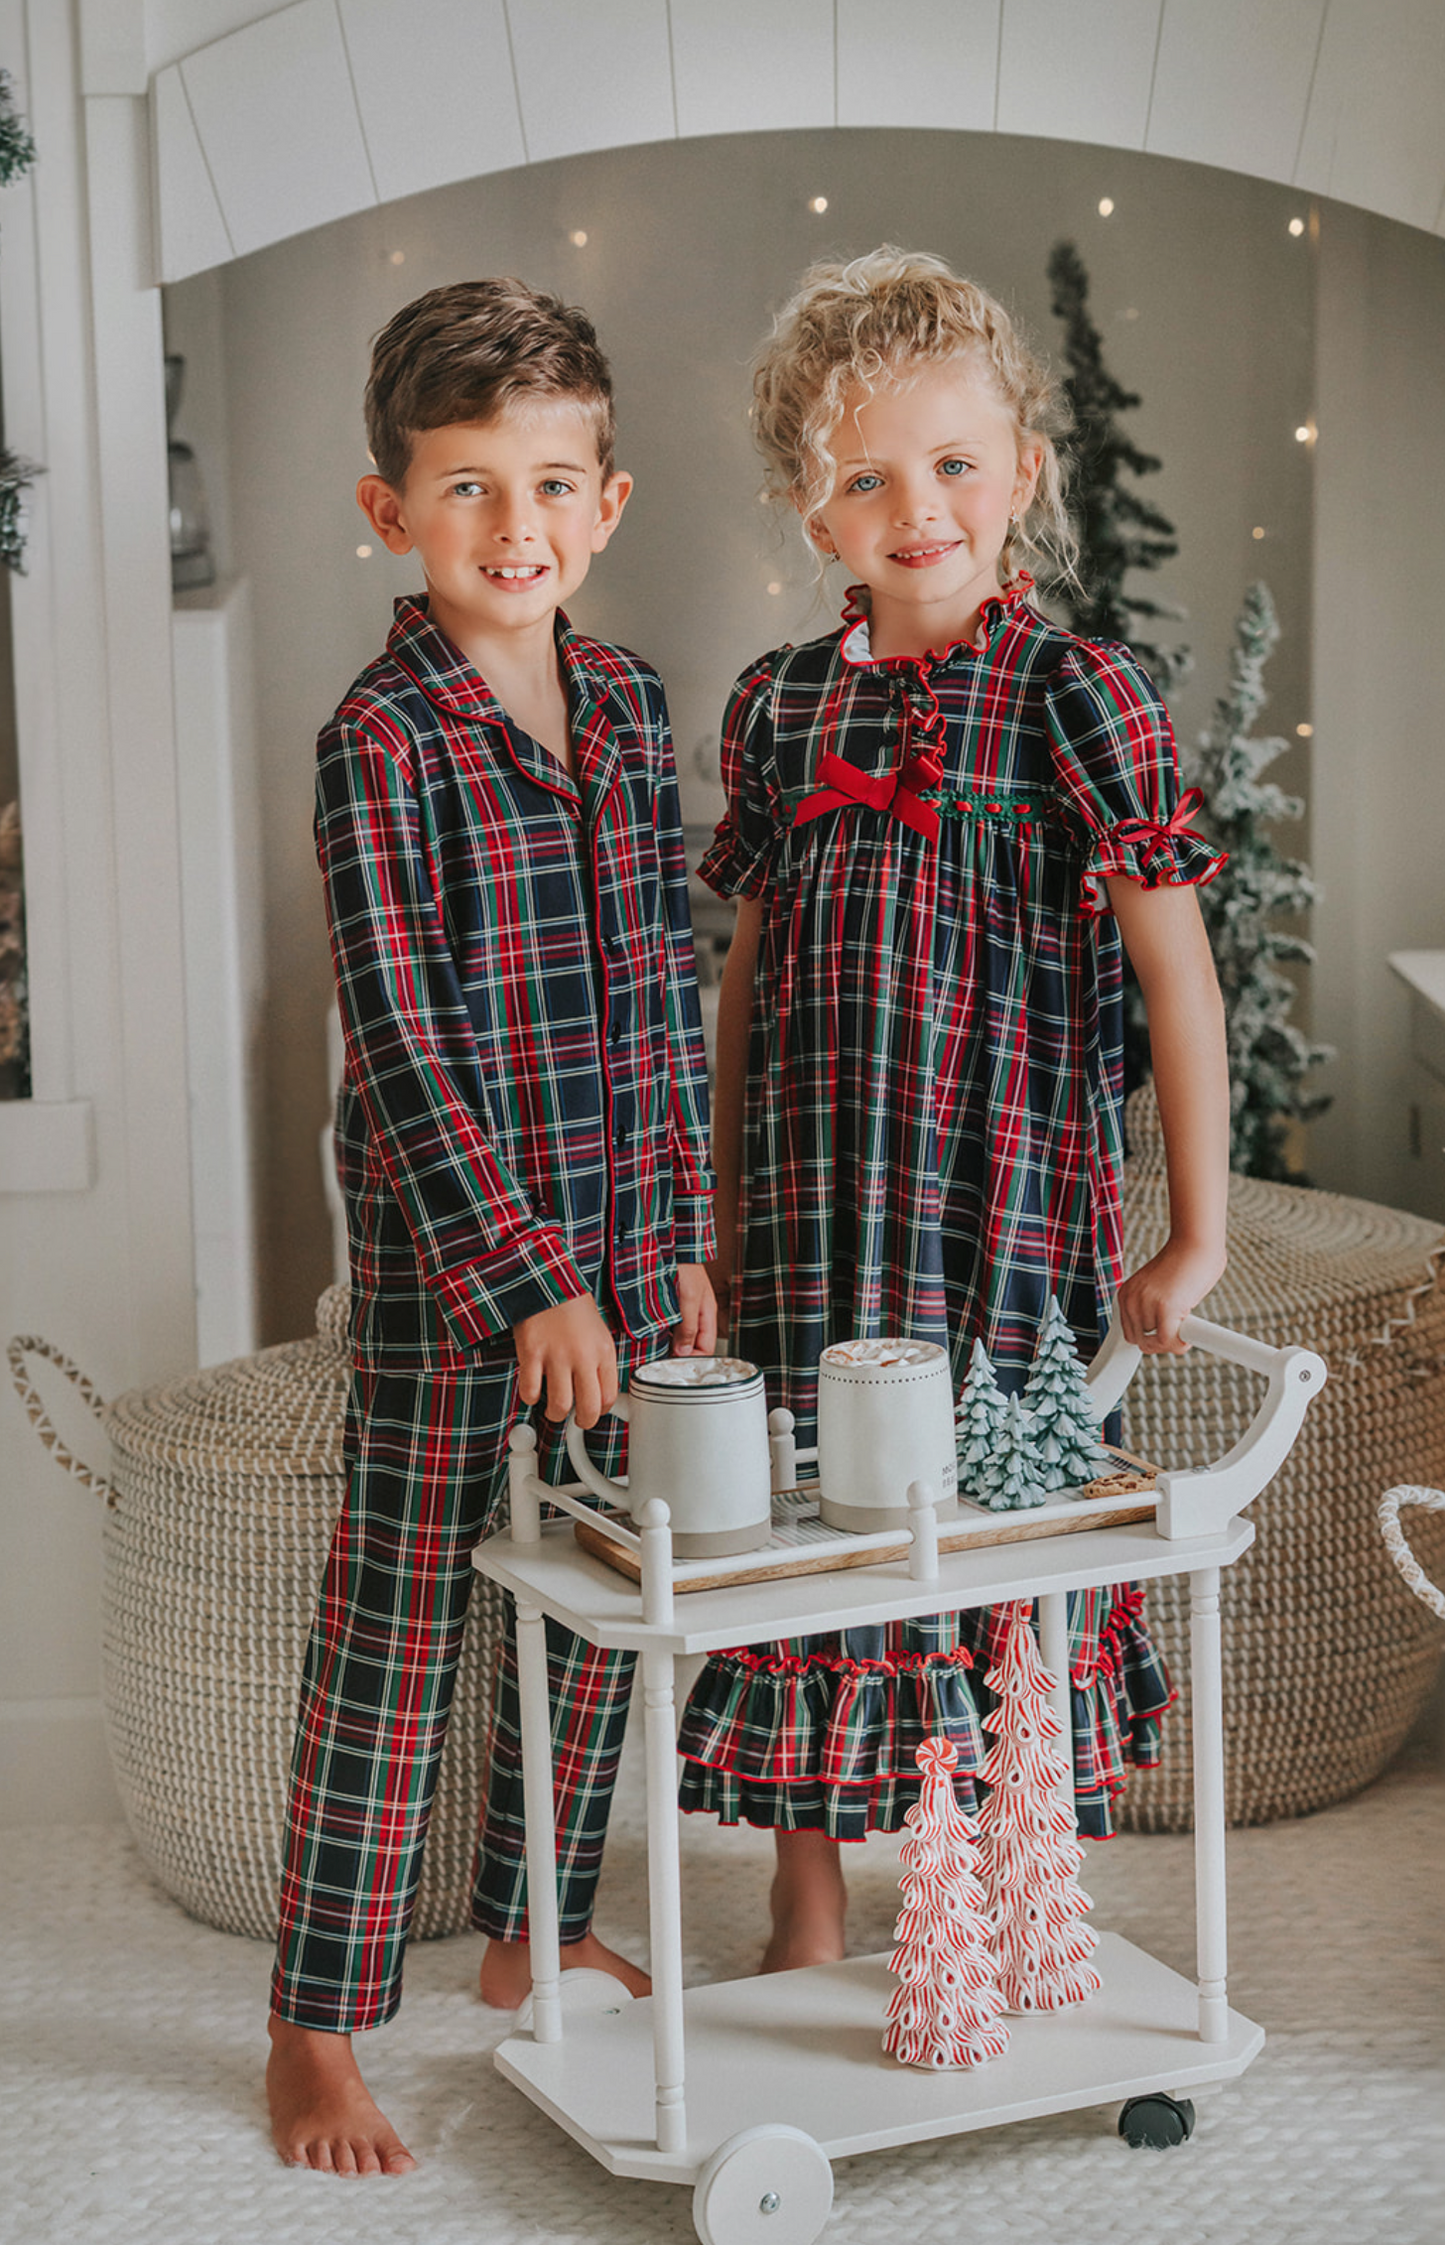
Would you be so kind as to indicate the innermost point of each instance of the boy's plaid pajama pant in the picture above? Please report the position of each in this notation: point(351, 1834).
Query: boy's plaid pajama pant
point(427, 1456)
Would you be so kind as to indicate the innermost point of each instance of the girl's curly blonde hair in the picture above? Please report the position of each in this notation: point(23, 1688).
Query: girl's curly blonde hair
point(876, 320)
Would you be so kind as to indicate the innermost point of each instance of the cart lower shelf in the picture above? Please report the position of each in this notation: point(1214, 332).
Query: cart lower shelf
point(805, 2049)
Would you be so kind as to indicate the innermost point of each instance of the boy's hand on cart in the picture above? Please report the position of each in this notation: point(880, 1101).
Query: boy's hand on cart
point(568, 1352)
point(1155, 1301)
point(695, 1333)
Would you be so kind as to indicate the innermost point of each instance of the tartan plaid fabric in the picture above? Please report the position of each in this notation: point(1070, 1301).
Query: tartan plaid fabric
point(523, 1113)
point(591, 1693)
point(932, 1142)
point(523, 1116)
point(427, 1455)
point(821, 1732)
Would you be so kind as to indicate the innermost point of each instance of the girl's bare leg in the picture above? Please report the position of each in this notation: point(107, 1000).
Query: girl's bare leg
point(809, 1902)
point(507, 1969)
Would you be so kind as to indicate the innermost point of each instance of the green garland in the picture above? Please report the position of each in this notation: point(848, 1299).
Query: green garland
point(16, 476)
point(17, 154)
point(17, 149)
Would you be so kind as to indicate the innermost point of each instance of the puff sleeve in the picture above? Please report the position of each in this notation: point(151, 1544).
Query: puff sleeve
point(744, 851)
point(1117, 770)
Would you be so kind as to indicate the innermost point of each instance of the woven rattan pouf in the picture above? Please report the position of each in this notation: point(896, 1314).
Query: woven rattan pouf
point(225, 1488)
point(1327, 1657)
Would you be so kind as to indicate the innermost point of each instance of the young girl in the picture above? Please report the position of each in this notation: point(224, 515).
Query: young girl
point(941, 819)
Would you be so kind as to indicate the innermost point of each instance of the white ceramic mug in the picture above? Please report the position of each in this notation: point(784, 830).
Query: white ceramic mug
point(697, 1438)
point(885, 1419)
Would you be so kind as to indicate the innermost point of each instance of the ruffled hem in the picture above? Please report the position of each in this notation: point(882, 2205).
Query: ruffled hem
point(848, 1812)
point(1157, 853)
point(824, 1741)
point(728, 869)
point(771, 1720)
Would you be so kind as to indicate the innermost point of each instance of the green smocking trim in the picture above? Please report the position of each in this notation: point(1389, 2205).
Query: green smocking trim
point(1016, 810)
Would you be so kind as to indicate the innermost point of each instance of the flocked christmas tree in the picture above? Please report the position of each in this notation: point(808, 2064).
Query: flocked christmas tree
point(1269, 1058)
point(947, 2010)
point(1030, 1852)
point(17, 154)
point(1118, 532)
point(979, 1419)
point(1010, 1480)
point(1064, 1427)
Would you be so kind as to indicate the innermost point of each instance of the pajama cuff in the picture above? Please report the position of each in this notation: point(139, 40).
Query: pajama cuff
point(483, 1299)
point(694, 1232)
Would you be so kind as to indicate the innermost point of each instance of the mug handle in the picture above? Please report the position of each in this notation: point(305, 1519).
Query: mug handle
point(612, 1492)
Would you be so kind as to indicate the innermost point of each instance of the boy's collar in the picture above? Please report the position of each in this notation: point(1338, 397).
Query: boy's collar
point(456, 685)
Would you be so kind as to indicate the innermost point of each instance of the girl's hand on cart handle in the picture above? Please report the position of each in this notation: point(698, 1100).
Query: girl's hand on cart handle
point(1155, 1301)
point(695, 1333)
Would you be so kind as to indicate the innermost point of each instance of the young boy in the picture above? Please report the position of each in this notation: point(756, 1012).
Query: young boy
point(522, 1132)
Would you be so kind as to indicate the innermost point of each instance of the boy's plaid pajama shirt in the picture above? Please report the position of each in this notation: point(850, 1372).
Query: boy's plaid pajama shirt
point(523, 1118)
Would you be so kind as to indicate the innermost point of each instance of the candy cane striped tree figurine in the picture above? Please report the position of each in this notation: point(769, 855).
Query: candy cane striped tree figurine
point(1030, 1850)
point(947, 2010)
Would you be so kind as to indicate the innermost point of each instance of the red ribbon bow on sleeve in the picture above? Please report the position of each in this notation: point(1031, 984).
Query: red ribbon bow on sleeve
point(897, 793)
point(1157, 834)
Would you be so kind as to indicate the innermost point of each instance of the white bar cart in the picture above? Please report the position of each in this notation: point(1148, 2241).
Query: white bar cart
point(747, 2090)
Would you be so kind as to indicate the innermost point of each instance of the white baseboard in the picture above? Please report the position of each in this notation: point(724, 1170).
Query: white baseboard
point(54, 1767)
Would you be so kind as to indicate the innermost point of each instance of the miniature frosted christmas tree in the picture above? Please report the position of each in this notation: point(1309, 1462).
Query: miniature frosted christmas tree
point(1064, 1426)
point(1030, 1851)
point(947, 2010)
point(979, 1419)
point(1010, 1479)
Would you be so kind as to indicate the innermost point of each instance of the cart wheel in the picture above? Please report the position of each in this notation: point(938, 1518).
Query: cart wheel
point(765, 2186)
point(1156, 2123)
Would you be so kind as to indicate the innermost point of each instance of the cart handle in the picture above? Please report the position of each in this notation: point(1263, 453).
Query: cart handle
point(1203, 1503)
point(28, 1344)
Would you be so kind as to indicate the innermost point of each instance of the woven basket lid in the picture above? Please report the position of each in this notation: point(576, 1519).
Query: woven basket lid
point(1294, 1253)
point(276, 1414)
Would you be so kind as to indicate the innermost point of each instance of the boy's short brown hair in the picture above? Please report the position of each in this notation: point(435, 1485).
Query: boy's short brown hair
point(466, 352)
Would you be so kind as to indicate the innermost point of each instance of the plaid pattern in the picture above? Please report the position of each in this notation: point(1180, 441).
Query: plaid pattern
point(523, 1114)
point(427, 1457)
point(523, 1117)
point(932, 1141)
point(821, 1732)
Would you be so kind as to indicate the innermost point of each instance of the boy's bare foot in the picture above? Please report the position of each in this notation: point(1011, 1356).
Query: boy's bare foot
point(809, 1903)
point(322, 2114)
point(507, 1969)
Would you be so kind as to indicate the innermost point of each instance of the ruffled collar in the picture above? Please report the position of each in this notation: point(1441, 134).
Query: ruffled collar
point(855, 649)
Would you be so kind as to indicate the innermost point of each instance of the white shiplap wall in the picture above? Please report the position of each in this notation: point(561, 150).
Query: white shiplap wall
point(331, 106)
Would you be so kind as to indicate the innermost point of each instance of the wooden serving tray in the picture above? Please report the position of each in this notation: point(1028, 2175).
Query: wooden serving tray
point(804, 1545)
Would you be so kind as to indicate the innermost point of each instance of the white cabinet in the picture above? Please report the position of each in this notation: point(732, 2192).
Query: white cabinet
point(1423, 973)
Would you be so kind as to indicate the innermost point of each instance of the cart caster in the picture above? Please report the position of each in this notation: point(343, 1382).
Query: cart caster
point(765, 2186)
point(1156, 2122)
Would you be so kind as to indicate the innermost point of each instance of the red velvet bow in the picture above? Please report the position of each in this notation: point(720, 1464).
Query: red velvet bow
point(897, 793)
point(1156, 834)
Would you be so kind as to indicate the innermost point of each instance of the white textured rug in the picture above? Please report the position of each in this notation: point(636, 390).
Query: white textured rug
point(133, 2041)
